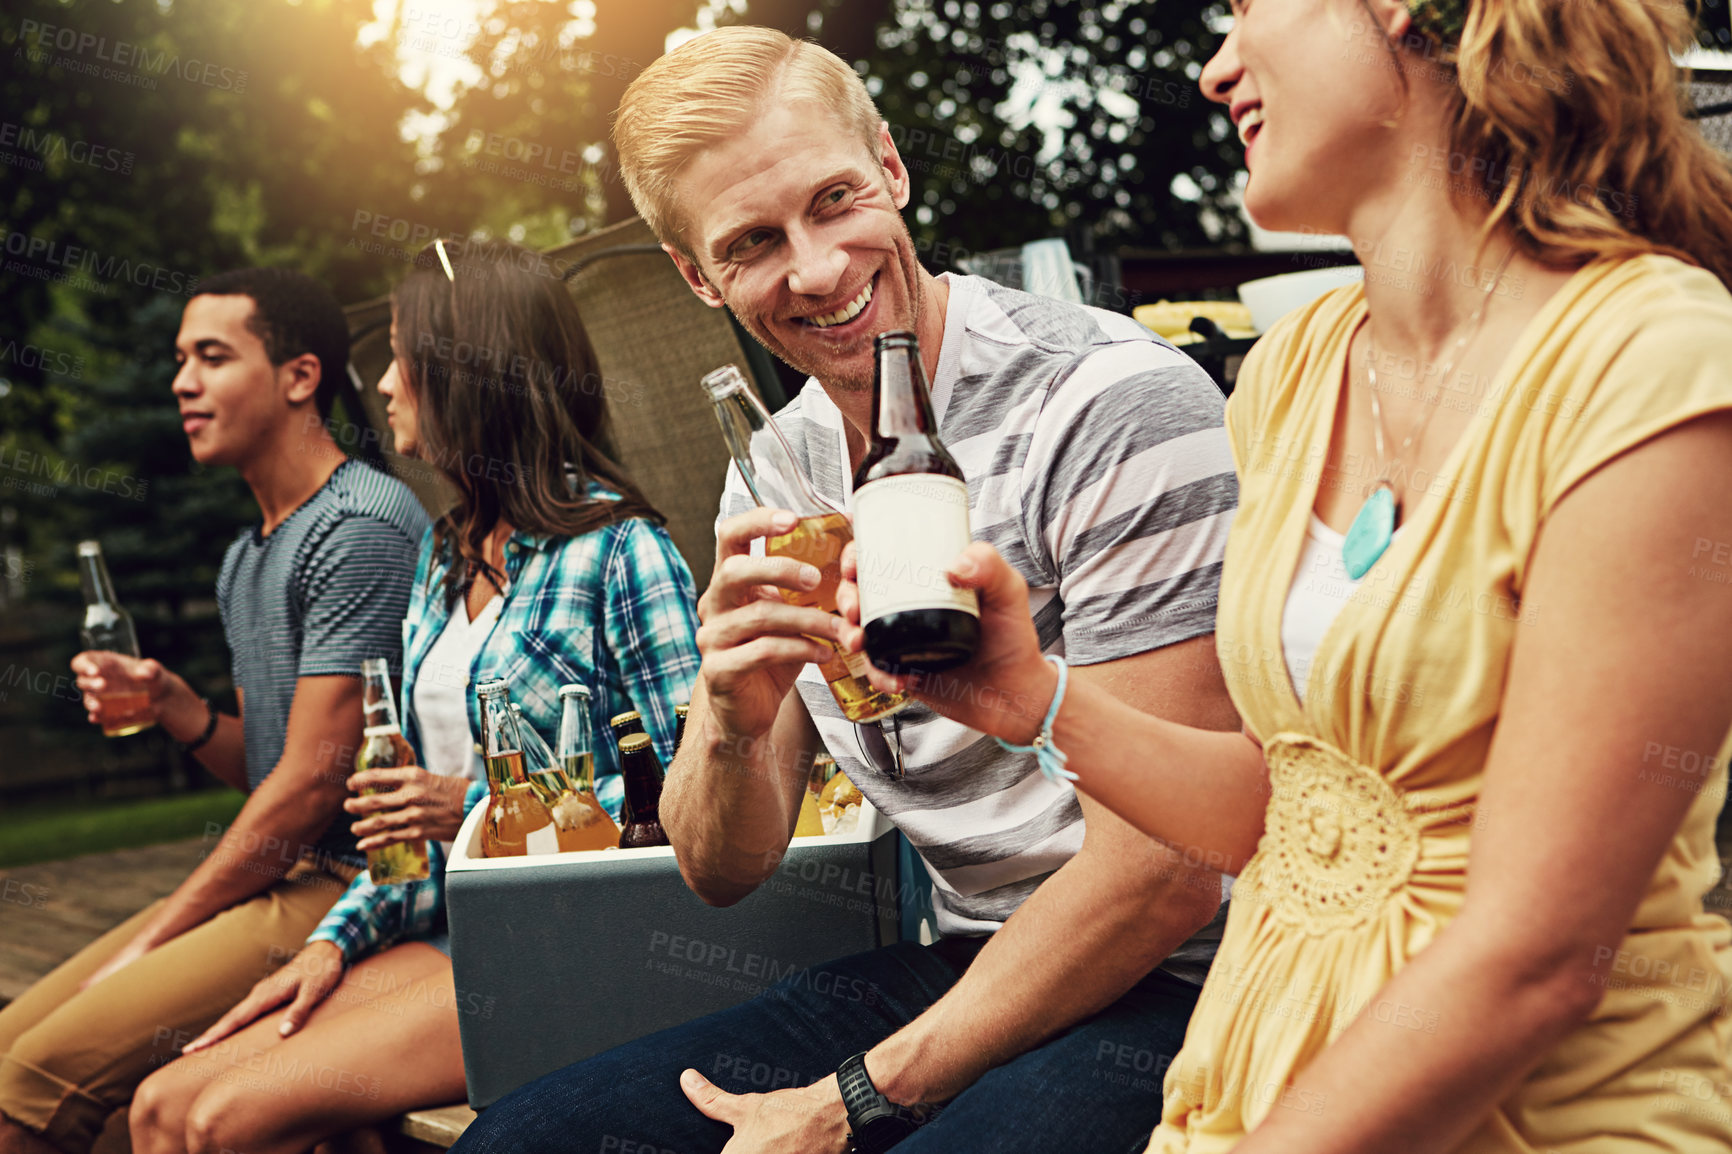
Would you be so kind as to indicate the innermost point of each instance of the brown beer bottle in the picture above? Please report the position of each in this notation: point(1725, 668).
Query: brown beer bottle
point(640, 823)
point(680, 714)
point(625, 724)
point(910, 522)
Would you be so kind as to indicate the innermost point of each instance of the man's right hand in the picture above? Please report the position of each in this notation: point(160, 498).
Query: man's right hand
point(754, 643)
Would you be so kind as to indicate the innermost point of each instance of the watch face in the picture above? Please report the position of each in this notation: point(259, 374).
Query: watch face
point(884, 1131)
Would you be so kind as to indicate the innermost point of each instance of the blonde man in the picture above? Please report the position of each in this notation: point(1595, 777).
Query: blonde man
point(1073, 946)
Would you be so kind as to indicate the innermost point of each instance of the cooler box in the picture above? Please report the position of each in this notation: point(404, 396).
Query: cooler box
point(561, 956)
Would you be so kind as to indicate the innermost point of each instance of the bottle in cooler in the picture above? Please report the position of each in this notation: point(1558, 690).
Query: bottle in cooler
point(623, 725)
point(565, 780)
point(517, 821)
point(641, 818)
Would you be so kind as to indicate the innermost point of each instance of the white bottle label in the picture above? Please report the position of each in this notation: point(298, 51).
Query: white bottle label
point(543, 840)
point(907, 531)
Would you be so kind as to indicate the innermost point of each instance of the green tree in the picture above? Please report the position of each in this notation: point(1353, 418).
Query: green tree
point(145, 145)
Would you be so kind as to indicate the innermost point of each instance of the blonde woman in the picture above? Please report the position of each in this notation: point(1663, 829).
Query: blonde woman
point(1469, 614)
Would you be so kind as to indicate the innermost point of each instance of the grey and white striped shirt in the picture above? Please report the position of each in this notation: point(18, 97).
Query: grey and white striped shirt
point(1097, 464)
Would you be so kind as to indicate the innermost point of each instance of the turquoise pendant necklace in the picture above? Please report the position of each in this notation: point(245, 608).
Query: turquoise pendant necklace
point(1373, 526)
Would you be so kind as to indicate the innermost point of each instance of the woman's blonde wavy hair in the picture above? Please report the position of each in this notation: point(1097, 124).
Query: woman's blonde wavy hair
point(1597, 158)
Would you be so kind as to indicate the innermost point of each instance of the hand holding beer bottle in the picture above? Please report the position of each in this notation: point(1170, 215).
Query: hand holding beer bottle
point(911, 517)
point(774, 478)
point(123, 690)
point(122, 693)
point(383, 746)
point(1004, 690)
point(405, 803)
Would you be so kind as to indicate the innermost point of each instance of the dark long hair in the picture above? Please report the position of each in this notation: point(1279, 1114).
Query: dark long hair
point(510, 404)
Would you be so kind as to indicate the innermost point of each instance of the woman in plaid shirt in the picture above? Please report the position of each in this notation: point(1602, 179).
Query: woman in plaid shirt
point(551, 568)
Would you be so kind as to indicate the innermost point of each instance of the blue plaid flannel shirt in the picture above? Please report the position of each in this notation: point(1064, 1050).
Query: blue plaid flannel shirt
point(613, 609)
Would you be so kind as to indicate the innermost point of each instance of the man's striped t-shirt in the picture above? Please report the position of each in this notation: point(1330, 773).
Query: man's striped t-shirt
point(1097, 464)
point(324, 591)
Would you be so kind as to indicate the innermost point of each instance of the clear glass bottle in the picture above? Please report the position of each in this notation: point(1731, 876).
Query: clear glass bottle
point(776, 481)
point(383, 746)
point(579, 819)
point(125, 708)
point(518, 821)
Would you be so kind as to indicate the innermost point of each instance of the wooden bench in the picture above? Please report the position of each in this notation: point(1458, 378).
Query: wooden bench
point(435, 1129)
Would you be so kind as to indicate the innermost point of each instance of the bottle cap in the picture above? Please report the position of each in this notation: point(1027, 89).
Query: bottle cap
point(625, 718)
point(635, 743)
point(491, 685)
point(682, 710)
point(573, 690)
point(90, 548)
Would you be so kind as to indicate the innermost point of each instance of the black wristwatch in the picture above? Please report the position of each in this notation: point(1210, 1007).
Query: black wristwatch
point(875, 1123)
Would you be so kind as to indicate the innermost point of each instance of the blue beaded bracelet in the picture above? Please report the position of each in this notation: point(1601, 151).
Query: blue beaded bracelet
point(1048, 756)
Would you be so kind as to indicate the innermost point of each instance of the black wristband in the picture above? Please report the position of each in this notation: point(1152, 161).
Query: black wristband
point(209, 729)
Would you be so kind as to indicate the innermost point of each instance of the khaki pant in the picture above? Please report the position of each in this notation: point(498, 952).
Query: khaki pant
point(70, 1058)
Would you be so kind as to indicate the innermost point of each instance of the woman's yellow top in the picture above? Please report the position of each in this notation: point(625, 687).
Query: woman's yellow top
point(1375, 777)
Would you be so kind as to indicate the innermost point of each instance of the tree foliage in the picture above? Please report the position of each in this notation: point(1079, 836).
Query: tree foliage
point(145, 144)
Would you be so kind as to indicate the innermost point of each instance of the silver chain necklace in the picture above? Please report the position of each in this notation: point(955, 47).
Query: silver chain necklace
point(1373, 526)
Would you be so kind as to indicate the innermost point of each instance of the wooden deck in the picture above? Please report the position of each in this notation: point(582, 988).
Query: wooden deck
point(49, 912)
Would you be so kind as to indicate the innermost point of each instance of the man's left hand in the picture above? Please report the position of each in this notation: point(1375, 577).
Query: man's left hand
point(800, 1120)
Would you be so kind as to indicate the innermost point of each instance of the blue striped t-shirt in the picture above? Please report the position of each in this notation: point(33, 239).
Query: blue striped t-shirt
point(327, 588)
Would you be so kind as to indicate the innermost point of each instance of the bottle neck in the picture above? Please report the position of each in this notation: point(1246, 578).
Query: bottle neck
point(93, 578)
point(499, 727)
point(576, 743)
point(643, 786)
point(764, 458)
point(901, 402)
point(499, 773)
point(581, 772)
point(378, 707)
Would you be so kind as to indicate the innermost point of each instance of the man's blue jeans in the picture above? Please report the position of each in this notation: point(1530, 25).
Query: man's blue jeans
point(1096, 1087)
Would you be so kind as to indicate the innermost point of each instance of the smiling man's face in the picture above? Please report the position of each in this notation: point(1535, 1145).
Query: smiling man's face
point(797, 228)
point(232, 399)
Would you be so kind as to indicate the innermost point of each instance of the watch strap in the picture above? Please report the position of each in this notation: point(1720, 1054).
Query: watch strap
point(875, 1123)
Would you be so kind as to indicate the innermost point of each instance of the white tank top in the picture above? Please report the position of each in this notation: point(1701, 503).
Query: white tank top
point(441, 693)
point(1321, 587)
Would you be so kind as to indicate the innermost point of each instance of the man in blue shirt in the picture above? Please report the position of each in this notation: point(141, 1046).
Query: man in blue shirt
point(319, 584)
